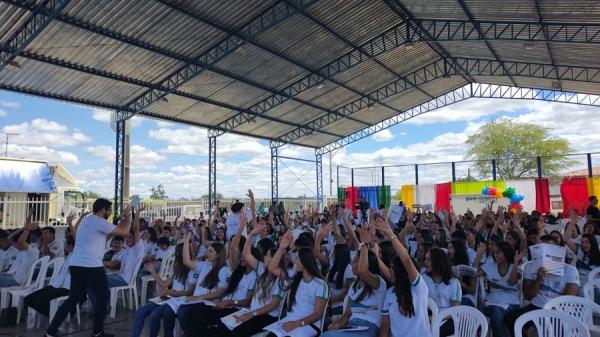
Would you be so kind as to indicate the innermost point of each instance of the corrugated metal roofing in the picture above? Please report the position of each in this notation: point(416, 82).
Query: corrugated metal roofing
point(146, 41)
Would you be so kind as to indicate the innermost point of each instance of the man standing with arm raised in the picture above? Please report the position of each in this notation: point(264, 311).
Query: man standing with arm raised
point(86, 268)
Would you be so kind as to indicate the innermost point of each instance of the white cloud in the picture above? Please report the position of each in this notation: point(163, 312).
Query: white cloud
point(102, 115)
point(194, 141)
point(42, 132)
point(2, 113)
point(42, 153)
point(141, 157)
point(10, 104)
point(383, 136)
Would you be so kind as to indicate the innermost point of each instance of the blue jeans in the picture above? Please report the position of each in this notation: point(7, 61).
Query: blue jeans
point(496, 315)
point(156, 313)
point(371, 332)
point(7, 280)
point(115, 280)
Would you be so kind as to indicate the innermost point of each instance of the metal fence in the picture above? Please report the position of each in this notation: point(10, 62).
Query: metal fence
point(46, 211)
point(578, 164)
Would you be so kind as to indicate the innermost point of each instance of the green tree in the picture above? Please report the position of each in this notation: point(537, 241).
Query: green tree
point(508, 141)
point(90, 195)
point(158, 193)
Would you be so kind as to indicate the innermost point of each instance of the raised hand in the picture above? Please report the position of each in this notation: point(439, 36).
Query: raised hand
point(286, 240)
point(383, 227)
point(481, 249)
point(518, 258)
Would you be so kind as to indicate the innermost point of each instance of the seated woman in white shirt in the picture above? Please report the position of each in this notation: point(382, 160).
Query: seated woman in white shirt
point(365, 296)
point(59, 285)
point(22, 257)
point(308, 294)
point(586, 251)
point(444, 289)
point(212, 281)
point(404, 311)
point(340, 277)
point(502, 275)
point(181, 283)
point(457, 251)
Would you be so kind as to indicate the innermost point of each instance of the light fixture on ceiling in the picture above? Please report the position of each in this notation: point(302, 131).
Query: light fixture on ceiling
point(556, 85)
point(320, 86)
point(409, 46)
point(165, 99)
point(529, 45)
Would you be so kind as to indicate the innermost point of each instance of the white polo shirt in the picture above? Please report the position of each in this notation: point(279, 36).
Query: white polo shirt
point(24, 260)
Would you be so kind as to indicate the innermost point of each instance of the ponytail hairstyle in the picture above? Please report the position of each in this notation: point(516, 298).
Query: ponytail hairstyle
point(212, 278)
point(402, 288)
point(238, 273)
point(367, 289)
point(309, 262)
point(341, 254)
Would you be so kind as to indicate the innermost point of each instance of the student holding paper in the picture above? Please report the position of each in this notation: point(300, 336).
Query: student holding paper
point(502, 274)
point(268, 295)
point(539, 286)
point(404, 308)
point(308, 294)
point(365, 296)
point(212, 281)
point(182, 283)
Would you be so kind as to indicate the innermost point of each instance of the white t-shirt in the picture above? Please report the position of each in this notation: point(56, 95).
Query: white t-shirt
point(401, 325)
point(444, 295)
point(91, 239)
point(203, 268)
point(277, 290)
point(176, 302)
point(472, 255)
point(63, 278)
point(348, 275)
point(247, 284)
point(306, 297)
point(501, 291)
point(56, 247)
point(149, 248)
point(10, 256)
point(117, 257)
point(553, 285)
point(369, 308)
point(160, 254)
point(132, 256)
point(233, 222)
point(24, 260)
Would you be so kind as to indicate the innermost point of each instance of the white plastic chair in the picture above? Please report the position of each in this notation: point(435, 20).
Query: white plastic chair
point(129, 291)
point(589, 289)
point(594, 274)
point(580, 308)
point(18, 295)
point(431, 306)
point(165, 271)
point(55, 303)
point(552, 323)
point(467, 321)
point(29, 284)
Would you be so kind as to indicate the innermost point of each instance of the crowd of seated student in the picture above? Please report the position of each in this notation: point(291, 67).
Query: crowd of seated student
point(250, 265)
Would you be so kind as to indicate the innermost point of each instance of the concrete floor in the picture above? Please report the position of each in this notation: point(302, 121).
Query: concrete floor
point(120, 326)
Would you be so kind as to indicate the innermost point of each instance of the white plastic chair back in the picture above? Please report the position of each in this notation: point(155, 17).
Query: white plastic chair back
point(594, 274)
point(467, 321)
point(42, 262)
point(56, 264)
point(588, 289)
point(431, 306)
point(552, 323)
point(521, 293)
point(580, 308)
point(166, 266)
point(138, 264)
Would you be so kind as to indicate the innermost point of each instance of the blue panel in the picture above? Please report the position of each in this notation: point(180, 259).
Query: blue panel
point(25, 176)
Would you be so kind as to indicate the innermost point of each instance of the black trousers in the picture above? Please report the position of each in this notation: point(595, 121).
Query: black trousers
point(511, 318)
point(40, 299)
point(83, 278)
point(246, 329)
point(195, 319)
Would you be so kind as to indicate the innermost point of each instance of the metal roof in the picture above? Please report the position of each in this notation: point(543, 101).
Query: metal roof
point(306, 72)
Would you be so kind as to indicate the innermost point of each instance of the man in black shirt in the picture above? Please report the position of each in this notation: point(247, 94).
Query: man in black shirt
point(593, 213)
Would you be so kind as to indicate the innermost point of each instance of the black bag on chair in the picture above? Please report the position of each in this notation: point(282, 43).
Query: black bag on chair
point(8, 317)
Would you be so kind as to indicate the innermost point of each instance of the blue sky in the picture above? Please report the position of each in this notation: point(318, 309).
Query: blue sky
point(80, 138)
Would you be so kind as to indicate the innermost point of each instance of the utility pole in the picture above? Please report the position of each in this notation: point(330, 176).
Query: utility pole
point(8, 134)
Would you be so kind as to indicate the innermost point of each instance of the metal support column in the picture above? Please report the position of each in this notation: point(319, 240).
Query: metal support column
point(383, 176)
point(416, 174)
point(212, 171)
point(274, 175)
point(589, 162)
point(494, 169)
point(319, 170)
point(119, 164)
point(352, 176)
point(337, 178)
point(539, 167)
point(453, 171)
